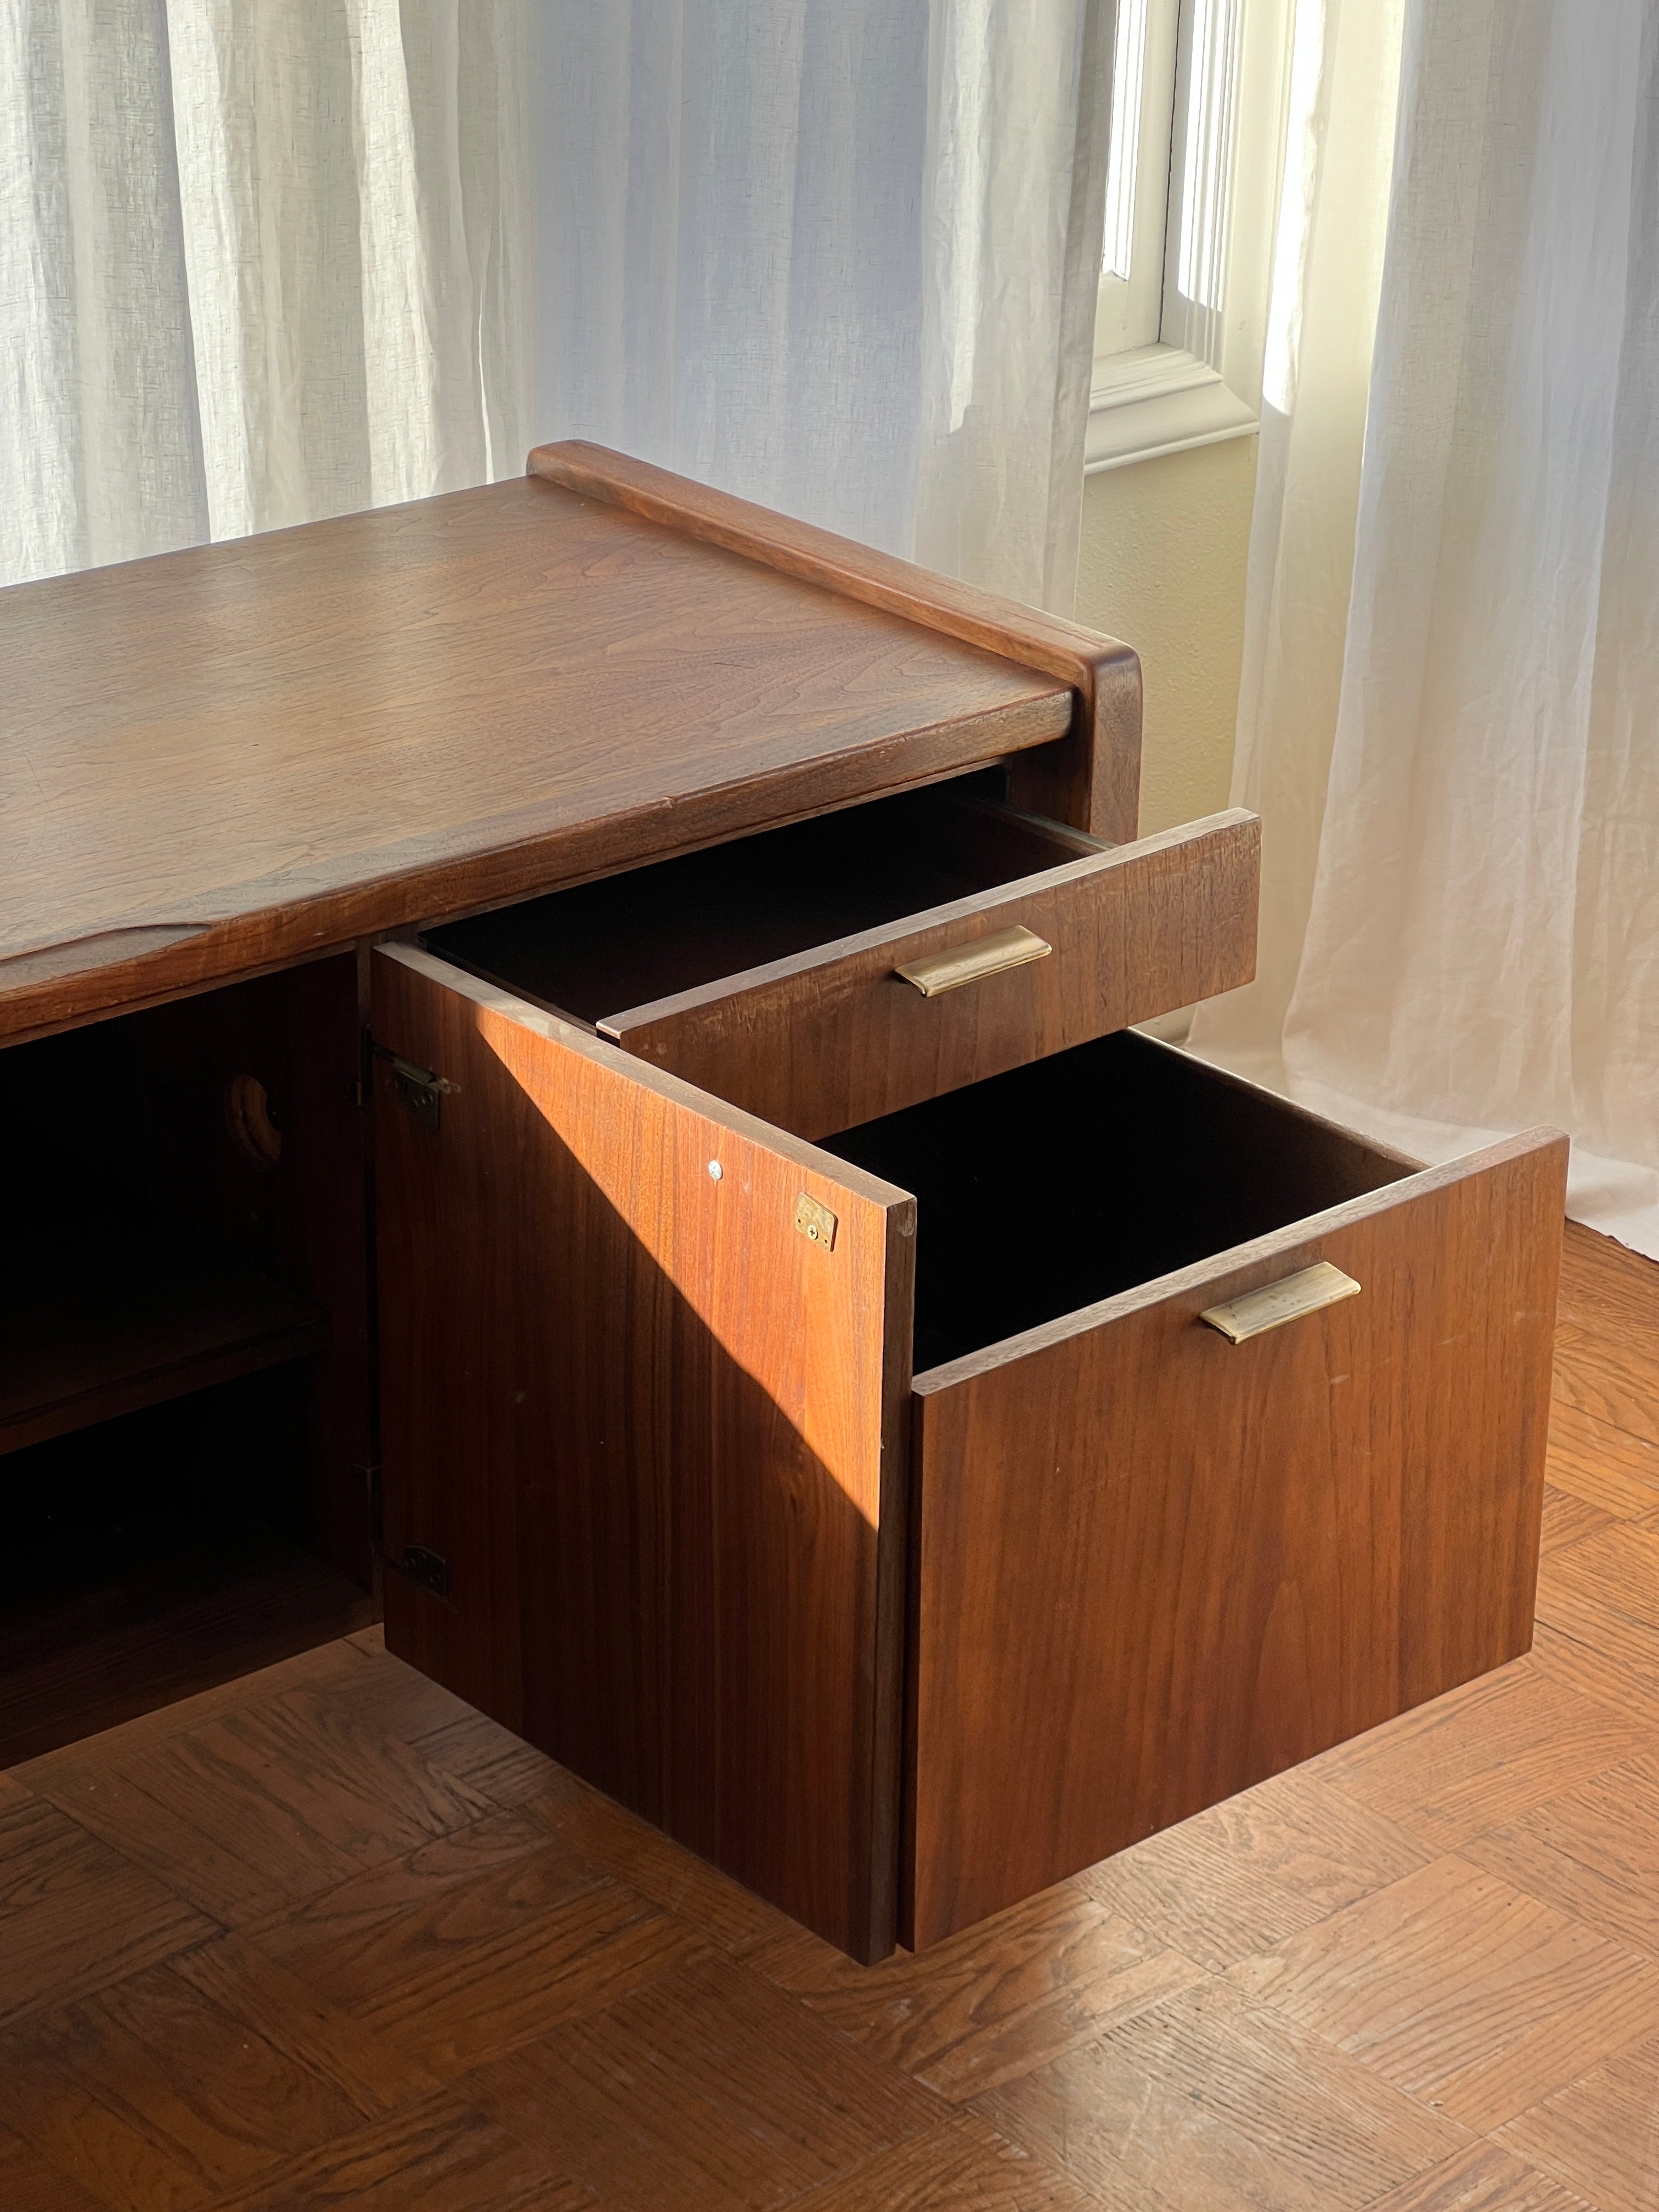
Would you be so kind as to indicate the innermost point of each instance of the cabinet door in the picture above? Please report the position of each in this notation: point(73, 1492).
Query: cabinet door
point(644, 1363)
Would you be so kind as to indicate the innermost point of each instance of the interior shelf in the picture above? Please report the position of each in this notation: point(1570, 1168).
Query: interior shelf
point(131, 1328)
point(154, 1555)
point(171, 1620)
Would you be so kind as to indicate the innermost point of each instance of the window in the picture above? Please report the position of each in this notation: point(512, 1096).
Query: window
point(1198, 94)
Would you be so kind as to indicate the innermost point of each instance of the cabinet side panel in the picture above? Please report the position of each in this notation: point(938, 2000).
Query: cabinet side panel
point(1155, 1567)
point(640, 1414)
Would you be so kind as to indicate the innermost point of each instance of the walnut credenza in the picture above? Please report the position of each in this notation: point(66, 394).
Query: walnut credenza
point(585, 1031)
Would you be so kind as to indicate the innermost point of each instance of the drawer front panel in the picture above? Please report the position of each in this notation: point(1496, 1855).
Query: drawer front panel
point(837, 1037)
point(1154, 1566)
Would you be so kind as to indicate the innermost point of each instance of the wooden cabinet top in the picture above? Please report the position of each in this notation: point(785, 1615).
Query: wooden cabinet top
point(234, 757)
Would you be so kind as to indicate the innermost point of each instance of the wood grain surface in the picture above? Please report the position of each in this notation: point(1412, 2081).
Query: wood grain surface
point(238, 1936)
point(1154, 1567)
point(656, 1432)
point(1139, 2114)
point(834, 1036)
point(233, 757)
point(1093, 783)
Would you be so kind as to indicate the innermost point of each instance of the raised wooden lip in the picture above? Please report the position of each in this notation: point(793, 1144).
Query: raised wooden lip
point(1104, 674)
point(1030, 636)
point(150, 952)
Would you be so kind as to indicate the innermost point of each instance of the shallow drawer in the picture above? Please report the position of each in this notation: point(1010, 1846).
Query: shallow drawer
point(1150, 1564)
point(836, 969)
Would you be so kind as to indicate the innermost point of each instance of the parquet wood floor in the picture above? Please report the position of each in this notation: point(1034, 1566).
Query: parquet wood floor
point(323, 1936)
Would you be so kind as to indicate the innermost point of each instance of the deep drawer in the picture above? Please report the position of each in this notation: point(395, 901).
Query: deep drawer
point(1151, 1565)
point(647, 1370)
point(836, 969)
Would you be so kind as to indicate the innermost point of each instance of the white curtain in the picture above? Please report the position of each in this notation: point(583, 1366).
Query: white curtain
point(1451, 715)
point(840, 256)
point(261, 260)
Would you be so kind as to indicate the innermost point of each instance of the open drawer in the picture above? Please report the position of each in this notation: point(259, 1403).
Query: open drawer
point(1228, 1445)
point(835, 969)
point(659, 1488)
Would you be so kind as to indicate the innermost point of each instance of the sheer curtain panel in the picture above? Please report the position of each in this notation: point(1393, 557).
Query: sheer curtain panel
point(260, 260)
point(840, 256)
point(1481, 888)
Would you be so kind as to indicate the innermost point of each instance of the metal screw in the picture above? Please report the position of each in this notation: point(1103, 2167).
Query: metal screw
point(715, 1170)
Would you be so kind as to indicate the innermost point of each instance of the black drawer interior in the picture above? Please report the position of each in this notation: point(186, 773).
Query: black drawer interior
point(1083, 1174)
point(626, 940)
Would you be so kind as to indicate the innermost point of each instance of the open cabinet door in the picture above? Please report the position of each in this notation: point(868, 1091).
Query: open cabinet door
point(644, 1366)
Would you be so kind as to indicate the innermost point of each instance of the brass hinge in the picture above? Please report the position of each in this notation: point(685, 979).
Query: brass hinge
point(418, 1563)
point(422, 1089)
point(427, 1571)
point(814, 1222)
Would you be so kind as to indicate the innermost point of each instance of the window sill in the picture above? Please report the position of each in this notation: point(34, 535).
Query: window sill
point(1158, 400)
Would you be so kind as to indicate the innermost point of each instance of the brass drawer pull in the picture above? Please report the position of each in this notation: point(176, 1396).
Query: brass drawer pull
point(967, 963)
point(1274, 1303)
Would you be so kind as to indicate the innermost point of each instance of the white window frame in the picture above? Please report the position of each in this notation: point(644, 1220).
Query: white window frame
point(1170, 372)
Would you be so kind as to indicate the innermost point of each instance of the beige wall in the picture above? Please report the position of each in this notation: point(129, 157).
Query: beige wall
point(1163, 568)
